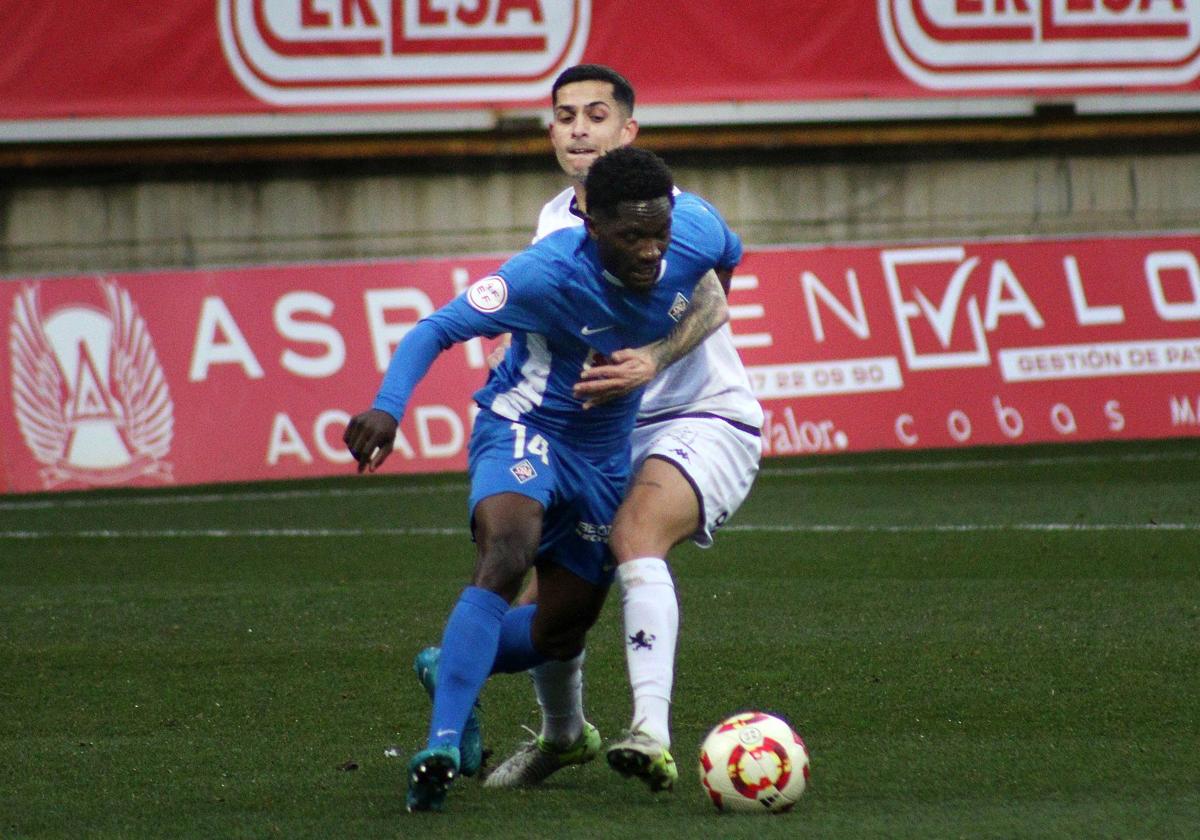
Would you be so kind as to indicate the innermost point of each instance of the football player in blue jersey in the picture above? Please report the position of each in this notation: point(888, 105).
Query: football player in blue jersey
point(696, 450)
point(547, 471)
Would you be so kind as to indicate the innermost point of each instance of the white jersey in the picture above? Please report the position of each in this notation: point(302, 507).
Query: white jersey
point(709, 380)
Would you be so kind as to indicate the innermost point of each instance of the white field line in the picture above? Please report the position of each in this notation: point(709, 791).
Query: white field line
point(975, 464)
point(231, 533)
point(965, 528)
point(816, 528)
point(217, 497)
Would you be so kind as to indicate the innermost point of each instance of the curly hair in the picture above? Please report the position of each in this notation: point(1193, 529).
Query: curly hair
point(622, 90)
point(626, 174)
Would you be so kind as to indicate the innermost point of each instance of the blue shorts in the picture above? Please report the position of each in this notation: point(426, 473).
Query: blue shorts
point(579, 496)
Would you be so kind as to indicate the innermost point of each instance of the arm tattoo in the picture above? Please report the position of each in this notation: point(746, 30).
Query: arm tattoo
point(706, 313)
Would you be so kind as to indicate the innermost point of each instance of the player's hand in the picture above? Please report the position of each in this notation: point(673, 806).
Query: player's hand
point(627, 371)
point(369, 437)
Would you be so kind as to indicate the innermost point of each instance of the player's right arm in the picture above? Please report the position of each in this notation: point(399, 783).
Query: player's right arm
point(370, 435)
point(489, 307)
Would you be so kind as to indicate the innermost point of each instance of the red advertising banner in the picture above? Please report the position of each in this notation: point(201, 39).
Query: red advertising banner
point(248, 374)
point(463, 63)
point(972, 343)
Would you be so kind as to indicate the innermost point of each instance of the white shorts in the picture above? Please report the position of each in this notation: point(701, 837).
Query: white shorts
point(718, 458)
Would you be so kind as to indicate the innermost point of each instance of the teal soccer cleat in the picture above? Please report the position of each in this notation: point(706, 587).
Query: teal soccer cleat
point(430, 773)
point(471, 743)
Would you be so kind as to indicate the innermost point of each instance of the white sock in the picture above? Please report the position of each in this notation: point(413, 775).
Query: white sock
point(651, 628)
point(559, 689)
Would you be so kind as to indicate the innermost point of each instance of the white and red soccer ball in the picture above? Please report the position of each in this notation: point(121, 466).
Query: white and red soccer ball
point(753, 762)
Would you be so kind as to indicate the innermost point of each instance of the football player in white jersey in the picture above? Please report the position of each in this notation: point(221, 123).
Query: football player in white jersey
point(696, 451)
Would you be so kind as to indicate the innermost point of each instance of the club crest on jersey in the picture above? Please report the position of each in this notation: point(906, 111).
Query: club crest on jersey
point(523, 471)
point(489, 294)
point(678, 306)
point(89, 394)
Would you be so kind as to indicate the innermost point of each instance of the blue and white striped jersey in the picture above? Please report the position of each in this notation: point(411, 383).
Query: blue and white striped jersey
point(709, 380)
point(562, 309)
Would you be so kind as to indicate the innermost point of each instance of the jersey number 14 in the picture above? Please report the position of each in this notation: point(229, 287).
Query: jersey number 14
point(535, 445)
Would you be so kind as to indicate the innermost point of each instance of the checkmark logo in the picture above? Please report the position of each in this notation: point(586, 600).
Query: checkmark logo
point(594, 330)
point(941, 318)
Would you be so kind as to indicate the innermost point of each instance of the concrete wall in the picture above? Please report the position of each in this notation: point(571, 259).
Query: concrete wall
point(66, 221)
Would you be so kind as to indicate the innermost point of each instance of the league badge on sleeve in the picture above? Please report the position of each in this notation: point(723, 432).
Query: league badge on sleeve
point(488, 294)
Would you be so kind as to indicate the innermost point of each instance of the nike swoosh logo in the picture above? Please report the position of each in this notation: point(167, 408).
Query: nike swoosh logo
point(442, 733)
point(594, 330)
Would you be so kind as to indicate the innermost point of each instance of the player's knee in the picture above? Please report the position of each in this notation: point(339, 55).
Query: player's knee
point(623, 542)
point(635, 536)
point(502, 561)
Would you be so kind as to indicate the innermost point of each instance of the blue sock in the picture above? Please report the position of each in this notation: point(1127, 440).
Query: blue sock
point(516, 651)
point(469, 645)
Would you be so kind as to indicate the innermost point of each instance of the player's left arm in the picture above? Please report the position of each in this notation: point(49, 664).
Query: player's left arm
point(633, 368)
point(707, 312)
point(491, 306)
point(725, 275)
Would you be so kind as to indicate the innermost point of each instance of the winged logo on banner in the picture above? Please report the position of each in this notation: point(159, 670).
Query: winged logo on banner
point(89, 394)
point(38, 392)
point(138, 379)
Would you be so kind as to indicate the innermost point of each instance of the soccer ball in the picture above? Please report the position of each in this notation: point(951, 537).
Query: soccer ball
point(753, 762)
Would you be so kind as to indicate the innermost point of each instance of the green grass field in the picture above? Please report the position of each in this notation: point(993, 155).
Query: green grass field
point(987, 643)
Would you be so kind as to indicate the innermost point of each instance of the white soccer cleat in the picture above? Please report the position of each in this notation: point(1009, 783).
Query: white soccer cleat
point(537, 759)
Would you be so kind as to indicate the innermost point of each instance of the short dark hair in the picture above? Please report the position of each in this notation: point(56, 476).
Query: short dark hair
point(622, 90)
point(626, 174)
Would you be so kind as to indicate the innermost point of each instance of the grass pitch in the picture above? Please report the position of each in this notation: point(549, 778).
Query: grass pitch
point(987, 643)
